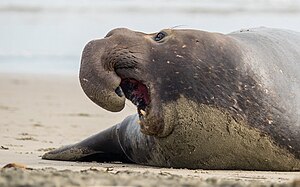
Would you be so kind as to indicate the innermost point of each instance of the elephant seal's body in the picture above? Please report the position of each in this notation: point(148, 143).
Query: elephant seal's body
point(205, 100)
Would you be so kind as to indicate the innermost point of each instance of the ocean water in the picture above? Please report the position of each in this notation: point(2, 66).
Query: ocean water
point(47, 36)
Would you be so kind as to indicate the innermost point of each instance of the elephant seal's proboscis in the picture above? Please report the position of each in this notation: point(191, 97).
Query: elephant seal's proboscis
point(204, 100)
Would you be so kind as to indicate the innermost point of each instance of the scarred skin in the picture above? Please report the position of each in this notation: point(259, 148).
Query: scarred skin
point(214, 101)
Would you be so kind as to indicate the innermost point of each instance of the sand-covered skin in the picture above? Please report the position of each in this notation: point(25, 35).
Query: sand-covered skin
point(42, 112)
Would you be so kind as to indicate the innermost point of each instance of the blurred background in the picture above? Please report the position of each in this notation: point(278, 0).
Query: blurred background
point(47, 36)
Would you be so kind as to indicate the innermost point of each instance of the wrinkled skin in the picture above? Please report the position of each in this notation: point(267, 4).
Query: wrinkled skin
point(227, 101)
point(116, 57)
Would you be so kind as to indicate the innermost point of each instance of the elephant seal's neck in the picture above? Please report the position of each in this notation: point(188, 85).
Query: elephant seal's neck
point(214, 139)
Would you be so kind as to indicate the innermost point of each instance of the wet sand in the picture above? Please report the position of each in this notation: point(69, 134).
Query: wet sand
point(42, 112)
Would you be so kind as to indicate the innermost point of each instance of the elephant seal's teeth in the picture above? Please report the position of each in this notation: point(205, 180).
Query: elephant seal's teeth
point(143, 112)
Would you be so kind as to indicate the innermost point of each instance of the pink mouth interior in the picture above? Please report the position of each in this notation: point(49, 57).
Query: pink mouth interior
point(141, 91)
point(136, 92)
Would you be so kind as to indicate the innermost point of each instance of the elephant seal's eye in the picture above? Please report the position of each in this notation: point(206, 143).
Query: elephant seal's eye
point(159, 36)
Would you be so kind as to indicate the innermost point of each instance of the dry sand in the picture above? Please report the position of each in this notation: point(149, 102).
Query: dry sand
point(42, 112)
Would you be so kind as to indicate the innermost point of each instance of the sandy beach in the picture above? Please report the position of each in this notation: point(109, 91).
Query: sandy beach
point(42, 106)
point(42, 112)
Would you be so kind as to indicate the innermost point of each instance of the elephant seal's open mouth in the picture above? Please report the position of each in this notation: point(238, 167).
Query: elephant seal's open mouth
point(136, 92)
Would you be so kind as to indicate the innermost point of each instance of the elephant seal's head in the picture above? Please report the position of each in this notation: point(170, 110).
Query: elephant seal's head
point(152, 70)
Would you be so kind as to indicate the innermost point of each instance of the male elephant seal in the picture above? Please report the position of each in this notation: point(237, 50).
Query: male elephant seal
point(204, 100)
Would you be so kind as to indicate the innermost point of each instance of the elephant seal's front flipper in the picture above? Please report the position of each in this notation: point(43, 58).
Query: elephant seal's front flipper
point(102, 147)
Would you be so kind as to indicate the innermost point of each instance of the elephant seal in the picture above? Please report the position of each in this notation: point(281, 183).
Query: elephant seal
point(204, 100)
